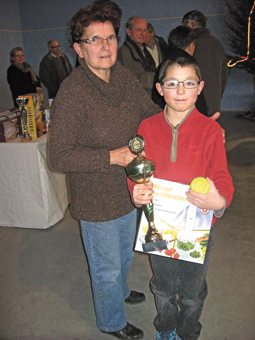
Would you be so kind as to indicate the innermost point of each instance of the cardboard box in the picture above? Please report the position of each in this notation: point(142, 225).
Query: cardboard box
point(35, 113)
point(10, 125)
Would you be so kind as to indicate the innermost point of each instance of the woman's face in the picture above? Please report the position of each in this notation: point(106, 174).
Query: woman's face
point(18, 58)
point(98, 58)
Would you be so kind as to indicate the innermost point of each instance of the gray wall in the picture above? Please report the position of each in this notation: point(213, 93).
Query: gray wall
point(10, 36)
point(31, 23)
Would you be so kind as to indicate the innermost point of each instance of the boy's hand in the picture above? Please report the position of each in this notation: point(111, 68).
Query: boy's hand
point(142, 193)
point(211, 201)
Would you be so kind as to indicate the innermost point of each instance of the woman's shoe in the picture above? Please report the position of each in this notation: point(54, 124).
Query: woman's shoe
point(129, 332)
point(135, 298)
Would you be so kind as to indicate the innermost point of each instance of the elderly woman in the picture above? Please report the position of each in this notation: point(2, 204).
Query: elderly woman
point(96, 111)
point(20, 76)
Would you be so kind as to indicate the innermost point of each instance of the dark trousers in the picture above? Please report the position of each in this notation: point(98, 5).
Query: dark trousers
point(180, 289)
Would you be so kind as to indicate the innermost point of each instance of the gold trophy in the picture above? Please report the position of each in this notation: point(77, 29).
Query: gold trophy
point(22, 102)
point(140, 170)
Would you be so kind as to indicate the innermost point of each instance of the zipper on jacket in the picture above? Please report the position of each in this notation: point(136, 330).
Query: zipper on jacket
point(173, 150)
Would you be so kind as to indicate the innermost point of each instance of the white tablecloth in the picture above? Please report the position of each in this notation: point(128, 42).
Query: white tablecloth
point(31, 194)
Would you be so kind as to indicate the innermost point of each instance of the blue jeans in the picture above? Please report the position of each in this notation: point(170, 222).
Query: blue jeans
point(180, 282)
point(109, 248)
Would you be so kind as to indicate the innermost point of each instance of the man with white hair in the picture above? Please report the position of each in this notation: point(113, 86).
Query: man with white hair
point(134, 55)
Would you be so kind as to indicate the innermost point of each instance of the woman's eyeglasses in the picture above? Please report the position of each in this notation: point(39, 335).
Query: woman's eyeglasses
point(97, 41)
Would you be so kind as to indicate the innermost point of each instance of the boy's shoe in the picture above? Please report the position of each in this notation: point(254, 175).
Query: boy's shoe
point(167, 335)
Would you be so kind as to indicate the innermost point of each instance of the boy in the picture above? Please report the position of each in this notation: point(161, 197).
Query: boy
point(184, 144)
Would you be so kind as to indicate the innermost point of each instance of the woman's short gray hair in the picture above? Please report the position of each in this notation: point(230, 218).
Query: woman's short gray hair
point(13, 52)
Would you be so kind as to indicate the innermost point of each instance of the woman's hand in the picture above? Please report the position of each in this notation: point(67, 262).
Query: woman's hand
point(211, 201)
point(142, 193)
point(38, 90)
point(122, 156)
point(214, 117)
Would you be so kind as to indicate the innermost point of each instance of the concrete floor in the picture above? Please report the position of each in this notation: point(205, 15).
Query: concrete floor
point(44, 281)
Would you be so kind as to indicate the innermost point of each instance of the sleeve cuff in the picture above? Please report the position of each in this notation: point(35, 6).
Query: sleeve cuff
point(219, 213)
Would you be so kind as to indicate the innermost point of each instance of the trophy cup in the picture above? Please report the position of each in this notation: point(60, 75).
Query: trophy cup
point(22, 102)
point(140, 170)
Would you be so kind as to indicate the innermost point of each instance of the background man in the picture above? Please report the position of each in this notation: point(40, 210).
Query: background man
point(134, 55)
point(54, 68)
point(211, 58)
point(155, 45)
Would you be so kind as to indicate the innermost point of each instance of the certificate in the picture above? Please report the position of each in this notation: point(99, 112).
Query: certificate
point(185, 227)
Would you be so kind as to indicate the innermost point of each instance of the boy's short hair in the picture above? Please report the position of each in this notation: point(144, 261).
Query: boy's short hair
point(181, 37)
point(183, 62)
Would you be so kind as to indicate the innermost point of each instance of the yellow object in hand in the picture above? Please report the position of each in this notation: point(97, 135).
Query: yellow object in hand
point(200, 185)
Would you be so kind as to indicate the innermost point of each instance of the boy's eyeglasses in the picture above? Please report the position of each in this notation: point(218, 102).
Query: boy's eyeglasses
point(97, 41)
point(173, 84)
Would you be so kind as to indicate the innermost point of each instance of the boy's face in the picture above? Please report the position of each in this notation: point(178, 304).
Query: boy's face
point(180, 100)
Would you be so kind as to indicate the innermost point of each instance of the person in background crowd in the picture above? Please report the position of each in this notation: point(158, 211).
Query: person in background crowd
point(211, 58)
point(155, 45)
point(20, 76)
point(134, 55)
point(96, 111)
point(182, 37)
point(54, 68)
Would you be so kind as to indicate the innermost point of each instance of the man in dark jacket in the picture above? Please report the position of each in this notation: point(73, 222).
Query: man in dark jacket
point(134, 55)
point(211, 58)
point(155, 45)
point(54, 68)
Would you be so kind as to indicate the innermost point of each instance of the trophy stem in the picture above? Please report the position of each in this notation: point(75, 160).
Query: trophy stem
point(153, 239)
point(152, 234)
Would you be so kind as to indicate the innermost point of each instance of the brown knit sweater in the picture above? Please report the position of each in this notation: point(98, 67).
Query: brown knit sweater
point(91, 118)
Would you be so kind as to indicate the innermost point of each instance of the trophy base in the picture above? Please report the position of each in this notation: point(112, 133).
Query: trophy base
point(154, 246)
point(28, 139)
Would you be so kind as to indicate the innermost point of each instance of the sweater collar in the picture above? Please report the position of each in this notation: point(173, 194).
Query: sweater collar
point(184, 119)
point(107, 90)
